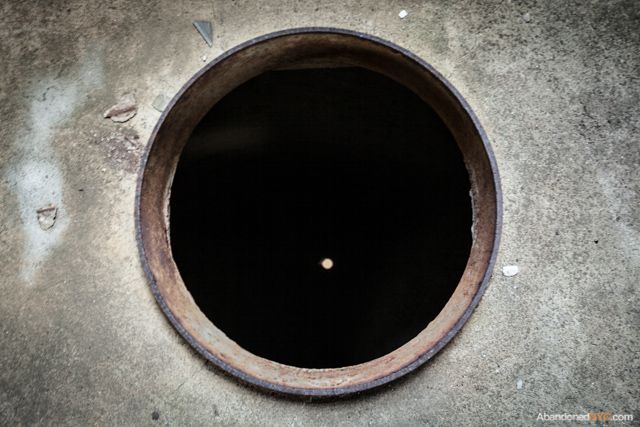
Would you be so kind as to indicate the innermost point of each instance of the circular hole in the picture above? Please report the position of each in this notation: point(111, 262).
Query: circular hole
point(294, 164)
point(304, 203)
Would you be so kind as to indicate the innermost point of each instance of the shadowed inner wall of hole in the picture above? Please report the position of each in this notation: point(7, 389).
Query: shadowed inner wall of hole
point(296, 166)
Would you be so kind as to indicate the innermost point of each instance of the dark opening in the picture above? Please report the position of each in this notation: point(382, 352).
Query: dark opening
point(321, 218)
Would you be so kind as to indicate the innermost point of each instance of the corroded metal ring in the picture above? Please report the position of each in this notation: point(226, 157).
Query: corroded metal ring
point(311, 47)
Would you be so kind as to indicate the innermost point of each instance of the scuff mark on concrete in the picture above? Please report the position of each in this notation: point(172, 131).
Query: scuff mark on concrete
point(36, 175)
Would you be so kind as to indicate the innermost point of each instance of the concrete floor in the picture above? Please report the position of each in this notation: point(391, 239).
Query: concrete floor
point(557, 89)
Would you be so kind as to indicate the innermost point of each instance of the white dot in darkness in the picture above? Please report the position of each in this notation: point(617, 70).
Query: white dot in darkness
point(326, 263)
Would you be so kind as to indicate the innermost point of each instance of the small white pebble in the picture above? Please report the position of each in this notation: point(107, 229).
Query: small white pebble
point(204, 58)
point(403, 14)
point(510, 270)
point(519, 384)
point(526, 17)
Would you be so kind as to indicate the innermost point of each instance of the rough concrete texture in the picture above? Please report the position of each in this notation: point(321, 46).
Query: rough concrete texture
point(556, 87)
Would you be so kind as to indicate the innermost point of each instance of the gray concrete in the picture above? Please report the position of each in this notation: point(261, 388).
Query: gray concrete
point(82, 340)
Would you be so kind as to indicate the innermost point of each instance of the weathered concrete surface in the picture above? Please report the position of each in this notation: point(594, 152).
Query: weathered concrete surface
point(82, 340)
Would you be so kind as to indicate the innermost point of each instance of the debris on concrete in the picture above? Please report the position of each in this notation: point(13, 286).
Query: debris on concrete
point(124, 110)
point(123, 149)
point(403, 14)
point(519, 384)
point(510, 270)
point(526, 17)
point(160, 102)
point(47, 216)
point(205, 30)
point(204, 58)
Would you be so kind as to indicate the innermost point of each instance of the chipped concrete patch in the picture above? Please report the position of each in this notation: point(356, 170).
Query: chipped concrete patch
point(47, 216)
point(123, 148)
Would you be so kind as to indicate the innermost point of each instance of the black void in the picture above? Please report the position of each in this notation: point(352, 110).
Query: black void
point(321, 218)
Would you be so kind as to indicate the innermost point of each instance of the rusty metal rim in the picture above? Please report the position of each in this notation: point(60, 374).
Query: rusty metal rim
point(422, 358)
